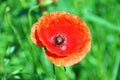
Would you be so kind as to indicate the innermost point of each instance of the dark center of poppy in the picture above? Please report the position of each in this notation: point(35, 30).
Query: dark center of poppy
point(59, 40)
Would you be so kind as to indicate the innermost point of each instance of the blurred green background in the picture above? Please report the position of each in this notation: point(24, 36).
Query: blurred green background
point(20, 59)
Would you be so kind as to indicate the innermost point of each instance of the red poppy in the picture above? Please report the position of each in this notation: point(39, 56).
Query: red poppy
point(65, 37)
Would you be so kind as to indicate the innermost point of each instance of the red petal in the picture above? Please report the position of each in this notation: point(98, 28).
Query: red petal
point(69, 60)
point(34, 36)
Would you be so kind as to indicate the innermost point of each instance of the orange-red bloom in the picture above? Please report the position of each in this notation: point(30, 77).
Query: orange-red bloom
point(65, 37)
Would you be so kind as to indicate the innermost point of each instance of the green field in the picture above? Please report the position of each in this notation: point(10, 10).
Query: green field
point(21, 59)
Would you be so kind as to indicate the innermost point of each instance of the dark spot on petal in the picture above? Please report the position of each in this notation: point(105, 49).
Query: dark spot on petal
point(59, 40)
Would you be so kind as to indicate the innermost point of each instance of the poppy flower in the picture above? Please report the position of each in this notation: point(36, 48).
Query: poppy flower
point(65, 37)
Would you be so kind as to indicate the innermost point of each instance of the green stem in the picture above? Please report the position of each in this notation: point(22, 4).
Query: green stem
point(29, 13)
point(65, 69)
point(116, 67)
point(14, 30)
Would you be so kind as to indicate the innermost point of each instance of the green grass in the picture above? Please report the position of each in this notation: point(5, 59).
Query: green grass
point(20, 59)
